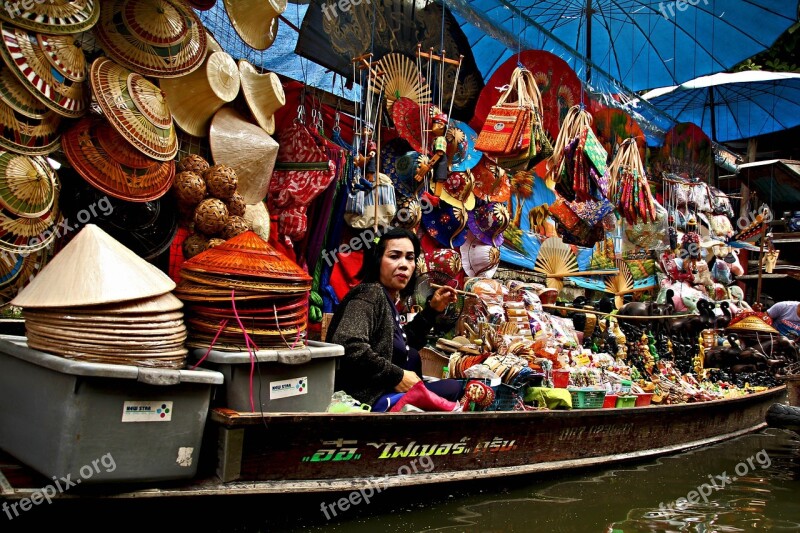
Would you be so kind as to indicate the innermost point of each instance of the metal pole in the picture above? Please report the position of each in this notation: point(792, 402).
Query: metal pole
point(761, 265)
point(589, 12)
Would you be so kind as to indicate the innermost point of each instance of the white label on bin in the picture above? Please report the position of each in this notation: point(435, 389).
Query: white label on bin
point(287, 388)
point(138, 411)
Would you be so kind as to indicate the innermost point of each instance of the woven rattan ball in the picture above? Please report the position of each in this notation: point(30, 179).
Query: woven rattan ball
point(221, 181)
point(194, 244)
point(193, 163)
point(234, 227)
point(214, 241)
point(189, 187)
point(236, 205)
point(210, 216)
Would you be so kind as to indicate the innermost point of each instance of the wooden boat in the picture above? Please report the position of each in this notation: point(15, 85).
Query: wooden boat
point(321, 452)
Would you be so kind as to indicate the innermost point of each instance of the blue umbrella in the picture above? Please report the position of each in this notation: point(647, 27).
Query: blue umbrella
point(744, 104)
point(639, 43)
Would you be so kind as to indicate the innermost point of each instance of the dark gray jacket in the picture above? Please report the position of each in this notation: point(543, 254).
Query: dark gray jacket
point(364, 324)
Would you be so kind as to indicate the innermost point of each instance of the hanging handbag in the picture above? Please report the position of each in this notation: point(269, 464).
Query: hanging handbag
point(503, 131)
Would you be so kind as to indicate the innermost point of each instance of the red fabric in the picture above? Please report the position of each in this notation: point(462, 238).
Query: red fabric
point(176, 258)
point(345, 270)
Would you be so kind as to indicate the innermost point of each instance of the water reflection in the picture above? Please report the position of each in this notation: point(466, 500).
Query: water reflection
point(747, 484)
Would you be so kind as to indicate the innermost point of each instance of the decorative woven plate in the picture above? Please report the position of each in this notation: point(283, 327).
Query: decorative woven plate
point(247, 255)
point(26, 135)
point(27, 185)
point(160, 38)
point(139, 117)
point(31, 65)
point(110, 163)
point(54, 17)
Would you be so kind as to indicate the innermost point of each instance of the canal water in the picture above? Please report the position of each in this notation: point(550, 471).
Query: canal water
point(751, 483)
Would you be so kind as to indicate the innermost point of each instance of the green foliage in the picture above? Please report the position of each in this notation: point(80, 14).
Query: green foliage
point(780, 57)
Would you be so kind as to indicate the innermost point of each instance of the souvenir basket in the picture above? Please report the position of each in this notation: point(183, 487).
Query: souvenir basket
point(587, 398)
point(433, 361)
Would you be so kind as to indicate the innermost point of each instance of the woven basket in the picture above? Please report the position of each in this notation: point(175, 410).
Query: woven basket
point(432, 362)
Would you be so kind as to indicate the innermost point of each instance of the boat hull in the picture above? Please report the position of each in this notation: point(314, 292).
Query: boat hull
point(319, 452)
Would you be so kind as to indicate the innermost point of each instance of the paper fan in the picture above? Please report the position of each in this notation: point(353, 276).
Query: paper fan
point(556, 261)
point(401, 79)
point(33, 66)
point(53, 16)
point(27, 185)
point(620, 284)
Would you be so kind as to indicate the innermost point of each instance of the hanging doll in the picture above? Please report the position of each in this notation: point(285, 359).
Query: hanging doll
point(690, 247)
point(438, 162)
point(366, 161)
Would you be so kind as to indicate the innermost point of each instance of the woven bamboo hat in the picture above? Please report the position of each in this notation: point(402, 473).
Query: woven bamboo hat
point(93, 269)
point(195, 97)
point(29, 234)
point(257, 216)
point(53, 17)
point(256, 21)
point(29, 126)
point(752, 321)
point(247, 255)
point(27, 185)
point(136, 108)
point(159, 38)
point(264, 94)
point(110, 163)
point(247, 148)
point(51, 67)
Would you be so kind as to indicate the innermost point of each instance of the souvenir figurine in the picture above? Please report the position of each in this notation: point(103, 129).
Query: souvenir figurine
point(438, 162)
point(367, 160)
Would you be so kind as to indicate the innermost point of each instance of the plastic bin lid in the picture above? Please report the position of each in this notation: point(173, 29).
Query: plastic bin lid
point(299, 356)
point(152, 376)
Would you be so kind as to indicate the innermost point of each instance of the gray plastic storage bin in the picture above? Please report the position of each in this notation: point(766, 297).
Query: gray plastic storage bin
point(100, 422)
point(298, 380)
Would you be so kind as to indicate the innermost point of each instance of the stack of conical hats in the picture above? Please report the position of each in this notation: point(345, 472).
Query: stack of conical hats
point(98, 301)
point(244, 288)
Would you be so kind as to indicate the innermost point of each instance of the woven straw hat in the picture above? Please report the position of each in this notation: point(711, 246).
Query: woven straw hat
point(256, 21)
point(93, 269)
point(245, 147)
point(51, 67)
point(479, 258)
point(257, 216)
point(27, 185)
point(457, 190)
point(26, 234)
point(195, 97)
point(264, 94)
point(53, 17)
point(160, 38)
point(136, 108)
point(110, 163)
point(247, 255)
point(23, 133)
point(752, 321)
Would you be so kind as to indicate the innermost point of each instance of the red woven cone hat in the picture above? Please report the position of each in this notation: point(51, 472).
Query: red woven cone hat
point(93, 269)
point(159, 38)
point(110, 163)
point(246, 255)
point(136, 108)
point(51, 67)
point(54, 17)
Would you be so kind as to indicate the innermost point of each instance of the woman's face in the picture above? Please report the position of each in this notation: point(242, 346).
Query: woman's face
point(397, 265)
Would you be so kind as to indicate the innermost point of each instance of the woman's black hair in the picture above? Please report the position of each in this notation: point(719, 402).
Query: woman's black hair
point(371, 268)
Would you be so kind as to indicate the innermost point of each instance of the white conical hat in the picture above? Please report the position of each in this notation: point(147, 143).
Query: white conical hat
point(93, 269)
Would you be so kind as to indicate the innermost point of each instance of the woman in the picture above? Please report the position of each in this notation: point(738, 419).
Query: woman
point(380, 356)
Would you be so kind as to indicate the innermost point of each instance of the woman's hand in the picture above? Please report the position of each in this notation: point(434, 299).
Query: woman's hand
point(443, 297)
point(409, 380)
